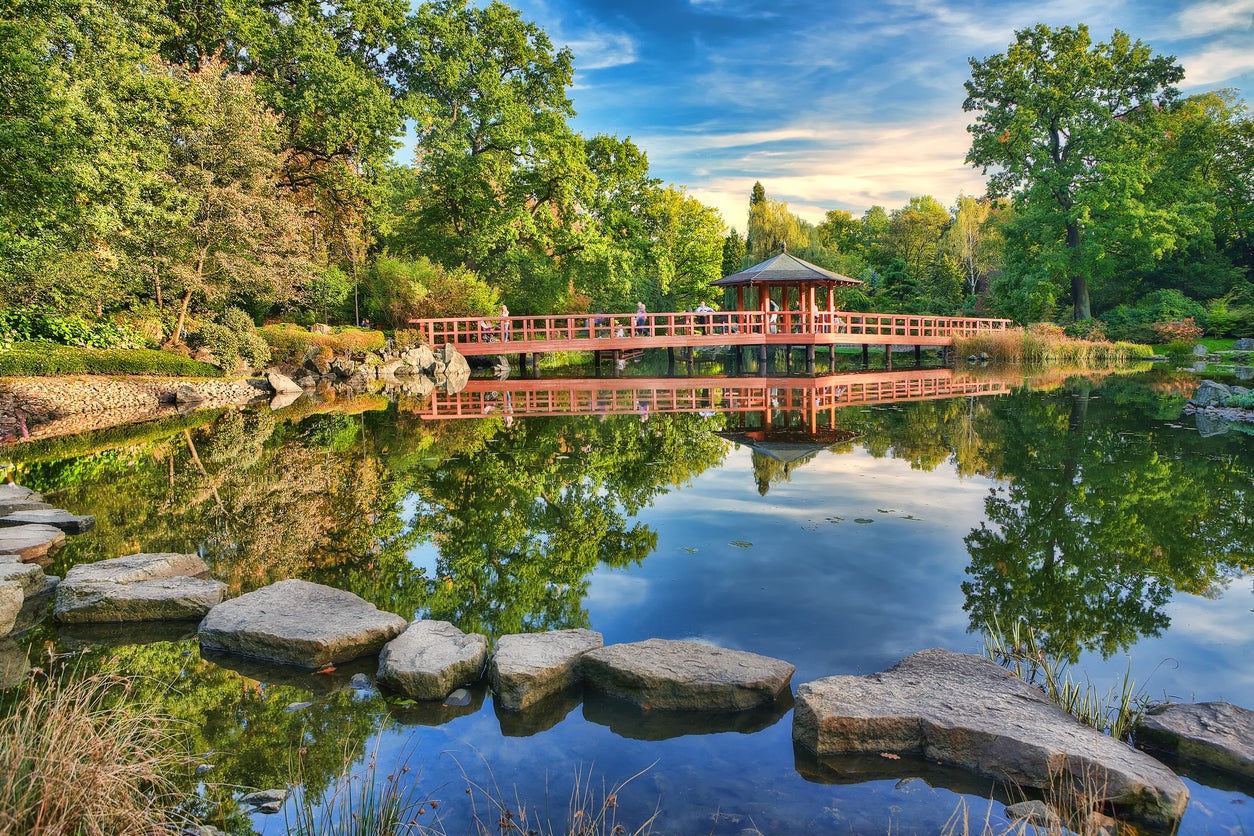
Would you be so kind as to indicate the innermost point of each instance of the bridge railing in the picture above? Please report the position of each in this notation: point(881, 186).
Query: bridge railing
point(565, 328)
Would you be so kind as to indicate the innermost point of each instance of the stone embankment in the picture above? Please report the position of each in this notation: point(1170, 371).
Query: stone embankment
point(46, 407)
point(956, 709)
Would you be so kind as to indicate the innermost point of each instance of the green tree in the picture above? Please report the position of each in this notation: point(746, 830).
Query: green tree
point(1059, 125)
point(973, 242)
point(771, 226)
point(733, 253)
point(914, 235)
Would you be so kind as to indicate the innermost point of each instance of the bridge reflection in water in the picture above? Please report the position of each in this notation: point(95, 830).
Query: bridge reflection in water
point(807, 403)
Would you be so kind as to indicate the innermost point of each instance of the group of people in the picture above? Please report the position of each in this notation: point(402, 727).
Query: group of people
point(488, 332)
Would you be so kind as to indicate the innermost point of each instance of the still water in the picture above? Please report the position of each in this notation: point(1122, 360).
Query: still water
point(839, 523)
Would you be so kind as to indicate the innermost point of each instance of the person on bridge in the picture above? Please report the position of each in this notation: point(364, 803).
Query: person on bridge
point(642, 321)
point(702, 320)
point(504, 322)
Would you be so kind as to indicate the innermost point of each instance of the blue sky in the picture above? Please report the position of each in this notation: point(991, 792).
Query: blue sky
point(834, 104)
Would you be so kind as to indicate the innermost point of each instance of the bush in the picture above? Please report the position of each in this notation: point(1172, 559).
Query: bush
point(1245, 401)
point(290, 344)
point(30, 324)
point(232, 338)
point(1177, 330)
point(44, 359)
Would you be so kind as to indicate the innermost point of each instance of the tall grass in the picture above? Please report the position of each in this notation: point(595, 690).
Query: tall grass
point(77, 758)
point(1115, 711)
point(1075, 805)
point(1046, 344)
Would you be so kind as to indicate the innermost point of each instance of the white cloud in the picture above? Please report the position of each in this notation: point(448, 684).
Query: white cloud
point(599, 50)
point(1216, 64)
point(1215, 18)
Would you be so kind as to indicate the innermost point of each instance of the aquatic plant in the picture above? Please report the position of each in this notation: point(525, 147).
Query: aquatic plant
point(1044, 343)
point(76, 756)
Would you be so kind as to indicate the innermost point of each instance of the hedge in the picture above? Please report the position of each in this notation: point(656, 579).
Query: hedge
point(36, 359)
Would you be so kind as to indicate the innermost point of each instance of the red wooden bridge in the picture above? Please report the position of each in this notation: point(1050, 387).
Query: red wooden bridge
point(625, 332)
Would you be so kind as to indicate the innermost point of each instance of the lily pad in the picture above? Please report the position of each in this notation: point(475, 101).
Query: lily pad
point(863, 521)
point(742, 544)
point(835, 519)
point(689, 549)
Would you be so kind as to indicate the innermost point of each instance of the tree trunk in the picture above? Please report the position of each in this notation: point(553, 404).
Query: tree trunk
point(177, 336)
point(1079, 284)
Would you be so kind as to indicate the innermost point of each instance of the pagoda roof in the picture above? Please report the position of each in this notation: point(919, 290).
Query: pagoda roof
point(785, 269)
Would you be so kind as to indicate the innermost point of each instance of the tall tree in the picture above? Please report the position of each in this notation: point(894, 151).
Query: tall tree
point(973, 242)
point(733, 253)
point(1057, 125)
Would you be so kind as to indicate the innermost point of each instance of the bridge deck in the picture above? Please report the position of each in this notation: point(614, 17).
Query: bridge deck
point(617, 332)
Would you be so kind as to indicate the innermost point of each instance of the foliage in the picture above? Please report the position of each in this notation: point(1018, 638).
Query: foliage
point(1177, 330)
point(45, 359)
point(1045, 344)
point(1059, 126)
point(84, 756)
point(33, 324)
point(398, 289)
point(1242, 401)
point(290, 344)
point(233, 337)
point(1138, 322)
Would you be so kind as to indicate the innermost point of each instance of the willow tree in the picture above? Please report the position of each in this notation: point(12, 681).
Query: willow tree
point(1059, 126)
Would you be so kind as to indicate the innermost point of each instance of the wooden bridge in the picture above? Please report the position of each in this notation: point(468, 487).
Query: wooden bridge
point(816, 398)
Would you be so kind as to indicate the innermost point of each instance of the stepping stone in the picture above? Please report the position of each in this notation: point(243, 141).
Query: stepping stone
point(10, 492)
point(528, 667)
point(299, 623)
point(32, 543)
point(137, 587)
point(1217, 734)
point(19, 506)
point(64, 520)
point(431, 658)
point(27, 575)
point(668, 674)
point(968, 711)
point(11, 600)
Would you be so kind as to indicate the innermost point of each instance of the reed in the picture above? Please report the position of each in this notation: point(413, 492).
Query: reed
point(1046, 344)
point(77, 758)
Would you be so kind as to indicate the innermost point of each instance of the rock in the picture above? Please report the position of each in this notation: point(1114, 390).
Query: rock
point(1243, 344)
point(138, 587)
point(459, 698)
point(1034, 812)
point(17, 506)
point(11, 492)
point(307, 381)
point(1218, 734)
point(64, 520)
point(282, 384)
point(343, 367)
point(11, 599)
point(265, 801)
point(968, 711)
point(32, 543)
point(455, 364)
point(188, 394)
point(1210, 393)
point(669, 674)
point(419, 358)
point(527, 667)
point(283, 400)
point(14, 664)
point(1200, 350)
point(361, 682)
point(299, 623)
point(319, 328)
point(26, 575)
point(431, 658)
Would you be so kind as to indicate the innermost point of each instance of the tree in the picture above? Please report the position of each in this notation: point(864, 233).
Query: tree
point(973, 242)
point(914, 234)
point(1059, 126)
point(771, 226)
point(733, 253)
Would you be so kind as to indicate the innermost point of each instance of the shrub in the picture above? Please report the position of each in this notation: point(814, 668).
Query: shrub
point(74, 758)
point(39, 359)
point(1245, 401)
point(1177, 330)
point(231, 338)
point(30, 324)
point(290, 344)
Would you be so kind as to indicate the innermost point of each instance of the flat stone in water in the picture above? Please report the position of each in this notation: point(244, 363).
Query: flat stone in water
point(19, 506)
point(968, 711)
point(669, 674)
point(528, 667)
point(11, 492)
point(64, 520)
point(299, 623)
point(1217, 734)
point(138, 587)
point(431, 658)
point(32, 543)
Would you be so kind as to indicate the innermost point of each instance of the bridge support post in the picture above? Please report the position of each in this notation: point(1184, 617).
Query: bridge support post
point(918, 356)
point(596, 363)
point(888, 357)
point(810, 359)
point(832, 358)
point(670, 359)
point(787, 359)
point(617, 356)
point(866, 354)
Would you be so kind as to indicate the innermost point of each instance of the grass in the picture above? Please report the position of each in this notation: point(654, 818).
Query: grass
point(1115, 712)
point(291, 344)
point(1075, 806)
point(77, 758)
point(1046, 344)
point(43, 359)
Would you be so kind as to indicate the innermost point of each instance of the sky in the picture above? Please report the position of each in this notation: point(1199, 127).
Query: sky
point(833, 104)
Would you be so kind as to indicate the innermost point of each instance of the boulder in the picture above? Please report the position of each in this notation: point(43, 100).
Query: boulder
point(11, 492)
point(282, 384)
point(14, 664)
point(27, 575)
point(669, 674)
point(527, 667)
point(1217, 734)
point(11, 600)
point(283, 400)
point(968, 711)
point(418, 359)
point(1210, 393)
point(1200, 350)
point(64, 520)
point(455, 364)
point(188, 394)
point(137, 587)
point(319, 328)
point(1244, 344)
point(431, 658)
point(299, 623)
point(32, 543)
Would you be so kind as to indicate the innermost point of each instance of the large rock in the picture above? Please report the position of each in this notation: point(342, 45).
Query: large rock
point(1218, 734)
point(418, 360)
point(1244, 344)
point(27, 575)
point(299, 623)
point(32, 543)
point(431, 658)
point(527, 667)
point(11, 600)
point(64, 520)
point(669, 674)
point(10, 492)
point(282, 384)
point(968, 711)
point(20, 506)
point(1210, 393)
point(137, 587)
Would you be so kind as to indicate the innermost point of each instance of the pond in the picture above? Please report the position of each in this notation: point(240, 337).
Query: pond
point(840, 523)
